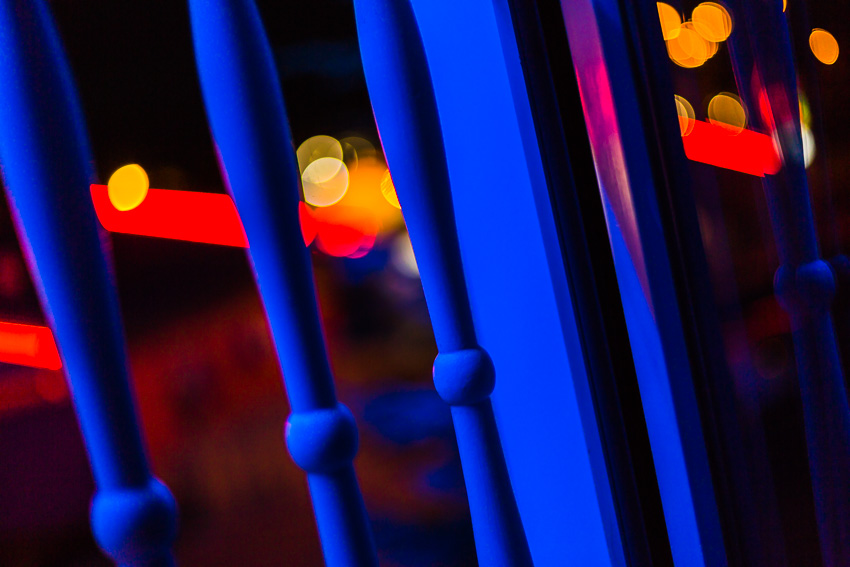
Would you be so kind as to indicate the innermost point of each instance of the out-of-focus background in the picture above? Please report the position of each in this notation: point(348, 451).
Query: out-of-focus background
point(738, 237)
point(209, 388)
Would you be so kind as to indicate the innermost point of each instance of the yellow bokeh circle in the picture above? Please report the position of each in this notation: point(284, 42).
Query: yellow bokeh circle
point(355, 148)
point(388, 190)
point(726, 110)
point(128, 187)
point(315, 148)
point(687, 117)
point(325, 181)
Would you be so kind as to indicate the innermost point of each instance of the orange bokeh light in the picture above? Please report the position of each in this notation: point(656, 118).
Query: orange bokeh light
point(670, 19)
point(689, 49)
point(351, 226)
point(824, 46)
point(712, 21)
point(365, 194)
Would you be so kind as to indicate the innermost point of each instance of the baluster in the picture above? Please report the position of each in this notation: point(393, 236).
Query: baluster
point(47, 169)
point(804, 283)
point(248, 120)
point(406, 112)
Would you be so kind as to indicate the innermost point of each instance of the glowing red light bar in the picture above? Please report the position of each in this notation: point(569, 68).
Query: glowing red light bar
point(28, 345)
point(180, 215)
point(747, 151)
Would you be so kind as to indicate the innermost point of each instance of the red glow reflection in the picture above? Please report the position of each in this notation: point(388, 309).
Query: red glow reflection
point(179, 215)
point(747, 151)
point(28, 345)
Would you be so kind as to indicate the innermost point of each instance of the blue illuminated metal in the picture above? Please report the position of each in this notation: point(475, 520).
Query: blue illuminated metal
point(406, 112)
point(249, 124)
point(47, 169)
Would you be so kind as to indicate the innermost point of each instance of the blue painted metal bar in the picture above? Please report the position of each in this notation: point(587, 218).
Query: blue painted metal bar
point(637, 534)
point(47, 169)
point(249, 124)
point(805, 284)
point(553, 460)
point(406, 112)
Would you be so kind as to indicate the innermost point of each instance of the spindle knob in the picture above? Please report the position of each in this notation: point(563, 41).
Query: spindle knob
point(464, 377)
point(805, 290)
point(322, 440)
point(135, 526)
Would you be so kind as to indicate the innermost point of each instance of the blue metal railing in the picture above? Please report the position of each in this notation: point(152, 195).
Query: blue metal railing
point(249, 124)
point(47, 169)
point(406, 112)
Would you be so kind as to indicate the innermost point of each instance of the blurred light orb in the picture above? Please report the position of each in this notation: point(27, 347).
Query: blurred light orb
point(687, 116)
point(808, 145)
point(824, 46)
point(689, 49)
point(805, 110)
point(355, 148)
point(345, 231)
point(309, 225)
point(402, 257)
point(325, 181)
point(316, 148)
point(671, 21)
point(365, 194)
point(388, 190)
point(726, 110)
point(712, 21)
point(51, 387)
point(128, 187)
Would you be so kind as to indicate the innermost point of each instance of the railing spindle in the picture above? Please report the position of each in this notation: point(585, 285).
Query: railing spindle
point(406, 112)
point(249, 124)
point(804, 284)
point(47, 169)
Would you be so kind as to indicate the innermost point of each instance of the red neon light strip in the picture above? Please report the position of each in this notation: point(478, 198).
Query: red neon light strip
point(180, 215)
point(747, 151)
point(28, 345)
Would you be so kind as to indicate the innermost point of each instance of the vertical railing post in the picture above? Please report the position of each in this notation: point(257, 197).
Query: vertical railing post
point(245, 108)
point(804, 284)
point(406, 112)
point(47, 169)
